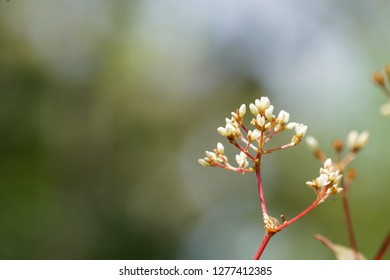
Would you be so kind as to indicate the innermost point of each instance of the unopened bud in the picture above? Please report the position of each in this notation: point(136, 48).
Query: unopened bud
point(242, 110)
point(351, 174)
point(220, 148)
point(203, 162)
point(379, 78)
point(253, 109)
point(338, 145)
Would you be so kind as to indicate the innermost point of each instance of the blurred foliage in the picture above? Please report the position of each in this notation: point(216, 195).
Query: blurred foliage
point(105, 107)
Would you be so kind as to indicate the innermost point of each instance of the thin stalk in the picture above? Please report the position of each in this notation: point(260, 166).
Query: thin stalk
point(243, 150)
point(382, 250)
point(348, 221)
point(279, 148)
point(260, 186)
point(303, 213)
point(263, 244)
point(268, 236)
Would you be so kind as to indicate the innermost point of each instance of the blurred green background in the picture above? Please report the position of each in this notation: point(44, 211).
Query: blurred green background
point(105, 107)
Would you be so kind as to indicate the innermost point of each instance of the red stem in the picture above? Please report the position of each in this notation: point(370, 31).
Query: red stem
point(348, 220)
point(263, 244)
point(268, 236)
point(260, 186)
point(383, 248)
point(279, 148)
point(243, 150)
point(303, 213)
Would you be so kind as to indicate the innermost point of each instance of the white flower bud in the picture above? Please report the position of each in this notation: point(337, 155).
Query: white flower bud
point(322, 180)
point(291, 125)
point(253, 135)
point(264, 103)
point(328, 179)
point(328, 164)
point(258, 103)
point(311, 184)
point(283, 116)
point(211, 155)
point(253, 109)
point(220, 148)
point(242, 160)
point(249, 135)
point(230, 129)
point(300, 130)
point(260, 120)
point(334, 190)
point(222, 131)
point(242, 110)
point(203, 162)
point(352, 138)
point(385, 109)
point(363, 138)
point(268, 113)
point(337, 180)
point(356, 141)
point(312, 142)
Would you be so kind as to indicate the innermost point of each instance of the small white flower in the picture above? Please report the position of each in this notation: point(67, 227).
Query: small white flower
point(283, 117)
point(312, 184)
point(300, 130)
point(242, 160)
point(337, 180)
point(312, 142)
point(322, 180)
point(220, 148)
point(230, 121)
point(230, 129)
point(352, 138)
point(268, 113)
point(234, 115)
point(253, 135)
point(334, 190)
point(258, 103)
point(260, 120)
point(291, 125)
point(203, 162)
point(253, 109)
point(385, 109)
point(221, 130)
point(242, 110)
point(211, 155)
point(363, 138)
point(263, 104)
point(328, 178)
point(356, 141)
point(328, 164)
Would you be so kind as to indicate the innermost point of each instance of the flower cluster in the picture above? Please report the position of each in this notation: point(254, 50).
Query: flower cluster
point(218, 158)
point(328, 181)
point(382, 79)
point(355, 142)
point(250, 142)
point(253, 142)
